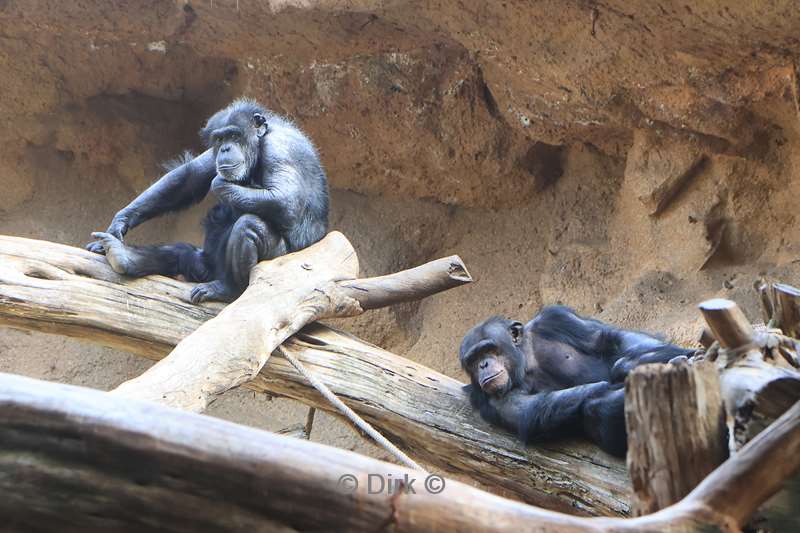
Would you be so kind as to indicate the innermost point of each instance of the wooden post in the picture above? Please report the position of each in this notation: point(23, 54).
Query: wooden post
point(755, 392)
point(727, 322)
point(676, 431)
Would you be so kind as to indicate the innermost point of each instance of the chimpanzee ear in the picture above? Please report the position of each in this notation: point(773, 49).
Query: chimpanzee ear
point(260, 122)
point(516, 331)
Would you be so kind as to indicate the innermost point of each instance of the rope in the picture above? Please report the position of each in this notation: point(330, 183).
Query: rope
point(764, 338)
point(351, 415)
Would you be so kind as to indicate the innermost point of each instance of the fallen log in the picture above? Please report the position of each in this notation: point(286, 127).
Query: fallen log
point(67, 291)
point(89, 461)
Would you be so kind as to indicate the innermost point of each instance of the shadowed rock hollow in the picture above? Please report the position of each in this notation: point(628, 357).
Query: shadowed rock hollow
point(626, 158)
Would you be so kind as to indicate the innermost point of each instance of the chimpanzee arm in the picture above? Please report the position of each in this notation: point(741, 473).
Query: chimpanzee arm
point(180, 187)
point(278, 200)
point(593, 410)
point(640, 349)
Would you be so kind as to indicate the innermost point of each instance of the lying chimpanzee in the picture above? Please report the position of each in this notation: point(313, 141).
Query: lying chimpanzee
point(273, 199)
point(558, 375)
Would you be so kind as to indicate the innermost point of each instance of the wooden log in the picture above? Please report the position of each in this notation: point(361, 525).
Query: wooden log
point(284, 295)
point(755, 392)
point(788, 309)
point(89, 461)
point(676, 431)
point(67, 291)
point(764, 291)
point(706, 338)
point(727, 322)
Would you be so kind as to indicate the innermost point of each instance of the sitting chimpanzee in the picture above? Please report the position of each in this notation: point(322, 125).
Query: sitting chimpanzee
point(273, 199)
point(558, 375)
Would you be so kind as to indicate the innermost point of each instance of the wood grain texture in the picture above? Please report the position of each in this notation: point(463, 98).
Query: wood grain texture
point(68, 291)
point(89, 461)
point(676, 431)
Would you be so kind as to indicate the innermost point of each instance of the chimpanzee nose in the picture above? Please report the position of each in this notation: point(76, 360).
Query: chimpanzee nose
point(484, 364)
point(225, 148)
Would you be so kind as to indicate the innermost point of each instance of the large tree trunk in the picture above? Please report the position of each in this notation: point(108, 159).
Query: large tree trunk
point(82, 460)
point(68, 291)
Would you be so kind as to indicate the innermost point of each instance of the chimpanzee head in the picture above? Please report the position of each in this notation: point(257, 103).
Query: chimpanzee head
point(490, 353)
point(235, 134)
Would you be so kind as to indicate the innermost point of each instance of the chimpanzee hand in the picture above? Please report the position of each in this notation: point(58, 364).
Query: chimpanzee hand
point(223, 189)
point(118, 228)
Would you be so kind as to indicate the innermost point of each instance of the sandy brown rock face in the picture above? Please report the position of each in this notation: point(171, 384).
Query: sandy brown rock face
point(627, 158)
point(418, 99)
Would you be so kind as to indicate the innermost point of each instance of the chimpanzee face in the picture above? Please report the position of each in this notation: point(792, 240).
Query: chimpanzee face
point(491, 356)
point(235, 140)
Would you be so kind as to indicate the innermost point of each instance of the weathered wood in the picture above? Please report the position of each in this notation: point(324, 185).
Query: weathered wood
point(408, 285)
point(727, 322)
point(676, 431)
point(284, 295)
point(88, 461)
point(764, 291)
point(788, 307)
point(706, 338)
point(755, 392)
point(232, 348)
point(67, 291)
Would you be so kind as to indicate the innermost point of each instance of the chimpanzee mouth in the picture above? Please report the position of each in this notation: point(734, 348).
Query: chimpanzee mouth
point(228, 167)
point(491, 378)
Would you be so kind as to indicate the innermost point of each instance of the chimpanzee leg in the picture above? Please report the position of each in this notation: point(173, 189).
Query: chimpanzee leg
point(604, 421)
point(165, 259)
point(251, 240)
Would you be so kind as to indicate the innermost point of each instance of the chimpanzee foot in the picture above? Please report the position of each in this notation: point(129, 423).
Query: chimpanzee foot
point(118, 256)
point(678, 360)
point(213, 290)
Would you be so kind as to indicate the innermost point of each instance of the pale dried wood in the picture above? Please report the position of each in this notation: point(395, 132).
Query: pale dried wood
point(676, 431)
point(284, 295)
point(727, 322)
point(89, 461)
point(67, 291)
point(755, 392)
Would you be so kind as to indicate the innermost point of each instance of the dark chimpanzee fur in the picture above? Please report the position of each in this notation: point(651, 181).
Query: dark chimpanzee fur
point(559, 375)
point(273, 199)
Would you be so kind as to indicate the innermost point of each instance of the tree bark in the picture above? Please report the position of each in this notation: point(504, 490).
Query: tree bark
point(89, 461)
point(284, 295)
point(758, 384)
point(676, 431)
point(755, 392)
point(67, 291)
